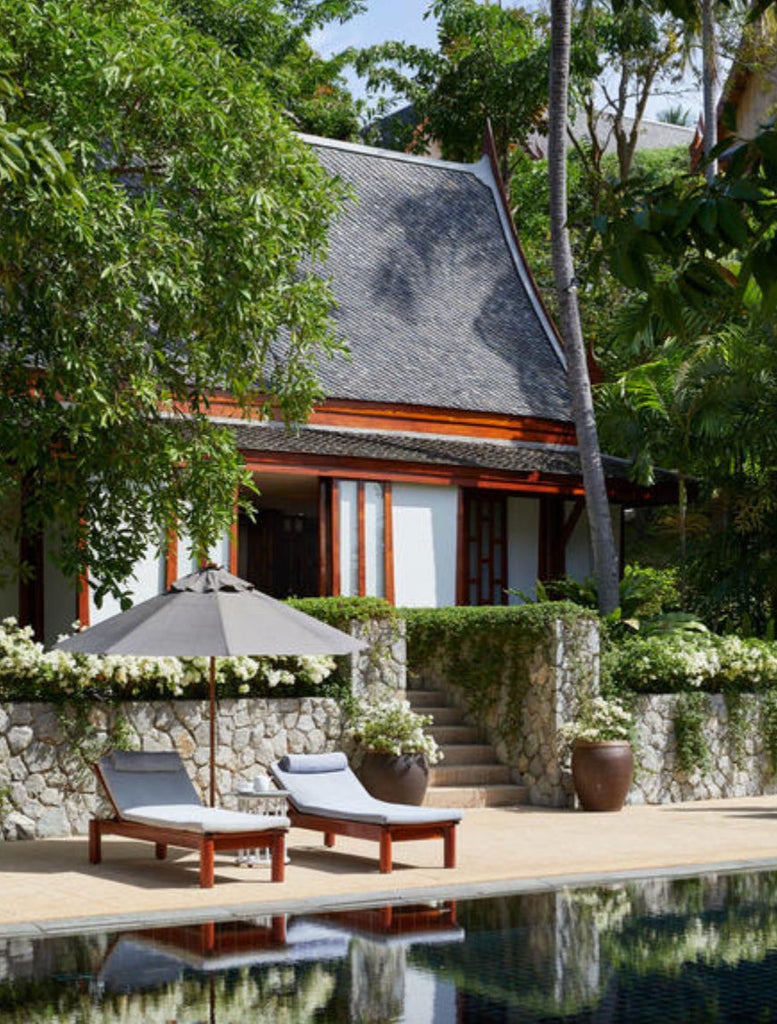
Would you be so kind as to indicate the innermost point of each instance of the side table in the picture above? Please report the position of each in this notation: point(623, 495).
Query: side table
point(266, 801)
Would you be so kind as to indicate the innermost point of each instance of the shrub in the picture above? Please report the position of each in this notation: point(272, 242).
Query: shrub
point(28, 672)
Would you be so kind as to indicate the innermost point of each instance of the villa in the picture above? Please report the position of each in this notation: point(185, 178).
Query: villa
point(442, 466)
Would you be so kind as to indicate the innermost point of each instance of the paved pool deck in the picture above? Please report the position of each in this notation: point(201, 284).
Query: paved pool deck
point(47, 886)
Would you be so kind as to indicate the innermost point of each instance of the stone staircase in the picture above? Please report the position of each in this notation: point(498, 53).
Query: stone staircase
point(470, 774)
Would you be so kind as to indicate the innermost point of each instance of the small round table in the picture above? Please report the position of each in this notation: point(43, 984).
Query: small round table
point(260, 801)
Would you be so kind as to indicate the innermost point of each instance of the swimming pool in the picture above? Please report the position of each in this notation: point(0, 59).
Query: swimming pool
point(669, 949)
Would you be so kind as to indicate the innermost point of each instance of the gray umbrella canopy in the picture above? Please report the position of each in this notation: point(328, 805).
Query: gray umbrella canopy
point(211, 613)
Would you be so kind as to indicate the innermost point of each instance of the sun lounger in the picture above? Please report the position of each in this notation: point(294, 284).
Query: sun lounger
point(326, 796)
point(154, 799)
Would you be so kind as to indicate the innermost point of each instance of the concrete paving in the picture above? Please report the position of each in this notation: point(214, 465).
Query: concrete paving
point(48, 886)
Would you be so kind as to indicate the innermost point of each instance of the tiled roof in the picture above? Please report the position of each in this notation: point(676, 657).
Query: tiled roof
point(422, 449)
point(434, 299)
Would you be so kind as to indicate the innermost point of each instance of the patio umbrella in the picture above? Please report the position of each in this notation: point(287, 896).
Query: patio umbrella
point(211, 613)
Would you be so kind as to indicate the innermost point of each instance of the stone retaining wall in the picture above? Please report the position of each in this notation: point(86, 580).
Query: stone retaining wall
point(562, 671)
point(47, 788)
point(732, 772)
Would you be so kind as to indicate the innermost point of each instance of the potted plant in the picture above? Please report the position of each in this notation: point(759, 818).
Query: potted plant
point(397, 753)
point(602, 758)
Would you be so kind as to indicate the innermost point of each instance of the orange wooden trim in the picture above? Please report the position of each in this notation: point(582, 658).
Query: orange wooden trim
point(388, 544)
point(171, 558)
point(377, 416)
point(83, 612)
point(335, 539)
point(324, 548)
point(232, 551)
point(534, 483)
point(361, 540)
point(337, 412)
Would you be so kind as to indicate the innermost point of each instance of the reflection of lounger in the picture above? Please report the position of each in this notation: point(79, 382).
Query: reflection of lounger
point(141, 960)
point(325, 795)
point(154, 799)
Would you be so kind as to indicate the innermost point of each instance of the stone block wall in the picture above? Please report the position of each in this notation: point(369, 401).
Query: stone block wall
point(563, 670)
point(47, 788)
point(737, 768)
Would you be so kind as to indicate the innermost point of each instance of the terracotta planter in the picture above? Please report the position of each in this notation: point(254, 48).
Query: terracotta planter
point(602, 773)
point(398, 778)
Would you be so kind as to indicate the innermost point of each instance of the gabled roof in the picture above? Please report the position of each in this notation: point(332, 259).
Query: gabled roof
point(435, 300)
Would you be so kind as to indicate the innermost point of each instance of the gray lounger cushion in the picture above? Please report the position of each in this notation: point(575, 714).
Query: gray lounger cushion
point(154, 788)
point(332, 792)
point(191, 818)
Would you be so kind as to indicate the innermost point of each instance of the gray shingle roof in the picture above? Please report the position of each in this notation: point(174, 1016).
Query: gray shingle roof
point(433, 296)
point(422, 449)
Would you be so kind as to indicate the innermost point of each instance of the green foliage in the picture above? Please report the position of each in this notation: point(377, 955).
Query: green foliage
point(599, 719)
point(686, 661)
point(485, 652)
point(691, 749)
point(392, 727)
point(341, 611)
point(27, 672)
point(184, 260)
point(644, 592)
point(768, 727)
point(271, 35)
point(491, 66)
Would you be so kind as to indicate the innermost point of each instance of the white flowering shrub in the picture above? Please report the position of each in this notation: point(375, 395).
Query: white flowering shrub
point(692, 661)
point(27, 671)
point(392, 727)
point(599, 719)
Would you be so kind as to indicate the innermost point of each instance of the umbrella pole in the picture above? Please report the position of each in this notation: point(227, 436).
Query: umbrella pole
point(212, 732)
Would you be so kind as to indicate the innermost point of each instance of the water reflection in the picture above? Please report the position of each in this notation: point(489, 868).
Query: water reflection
point(667, 950)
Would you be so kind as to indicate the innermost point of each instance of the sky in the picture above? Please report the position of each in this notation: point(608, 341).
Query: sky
point(404, 20)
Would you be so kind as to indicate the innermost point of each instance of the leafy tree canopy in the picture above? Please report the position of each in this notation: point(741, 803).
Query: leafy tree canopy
point(272, 36)
point(492, 64)
point(160, 236)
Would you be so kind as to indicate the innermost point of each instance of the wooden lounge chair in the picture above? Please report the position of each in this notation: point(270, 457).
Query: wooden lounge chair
point(326, 796)
point(153, 799)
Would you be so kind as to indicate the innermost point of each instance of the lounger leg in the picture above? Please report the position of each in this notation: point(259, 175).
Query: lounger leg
point(329, 839)
point(206, 864)
point(95, 842)
point(161, 850)
point(278, 869)
point(385, 852)
point(449, 839)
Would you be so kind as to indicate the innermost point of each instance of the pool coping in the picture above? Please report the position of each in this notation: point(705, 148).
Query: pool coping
point(60, 927)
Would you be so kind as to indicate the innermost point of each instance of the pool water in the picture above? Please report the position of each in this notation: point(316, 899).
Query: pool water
point(690, 949)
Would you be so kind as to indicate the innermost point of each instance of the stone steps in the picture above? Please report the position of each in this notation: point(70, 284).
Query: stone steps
point(470, 775)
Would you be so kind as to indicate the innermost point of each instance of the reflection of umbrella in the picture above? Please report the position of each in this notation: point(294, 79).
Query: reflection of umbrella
point(213, 614)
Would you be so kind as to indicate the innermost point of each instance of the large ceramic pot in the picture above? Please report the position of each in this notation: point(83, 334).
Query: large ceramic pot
point(602, 773)
point(398, 778)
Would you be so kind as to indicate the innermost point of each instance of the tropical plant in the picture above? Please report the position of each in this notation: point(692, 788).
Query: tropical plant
point(392, 727)
point(598, 720)
point(182, 261)
point(28, 672)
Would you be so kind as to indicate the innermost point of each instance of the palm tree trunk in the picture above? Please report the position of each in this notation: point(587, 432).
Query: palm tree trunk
point(709, 84)
point(597, 506)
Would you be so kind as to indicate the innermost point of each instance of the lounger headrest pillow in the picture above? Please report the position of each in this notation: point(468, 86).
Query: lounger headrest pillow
point(145, 761)
point(306, 764)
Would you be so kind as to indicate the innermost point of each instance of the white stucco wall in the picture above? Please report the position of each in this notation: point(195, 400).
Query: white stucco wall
point(523, 524)
point(579, 555)
point(424, 524)
point(148, 580)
